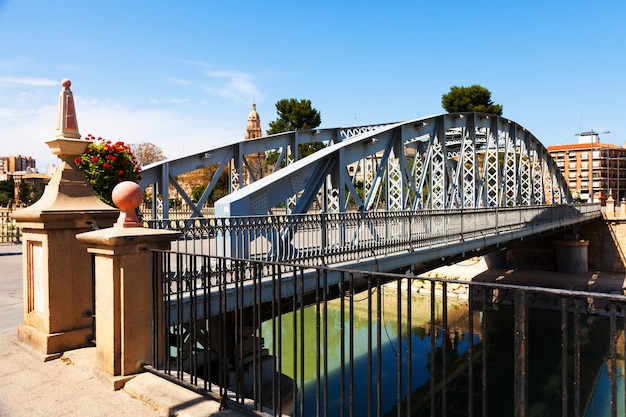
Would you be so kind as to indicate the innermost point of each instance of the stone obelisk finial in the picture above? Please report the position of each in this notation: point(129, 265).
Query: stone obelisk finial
point(67, 124)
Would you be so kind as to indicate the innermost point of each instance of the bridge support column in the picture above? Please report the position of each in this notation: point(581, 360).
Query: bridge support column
point(572, 257)
point(125, 294)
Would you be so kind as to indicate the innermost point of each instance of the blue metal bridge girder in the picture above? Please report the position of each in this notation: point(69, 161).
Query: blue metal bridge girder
point(437, 162)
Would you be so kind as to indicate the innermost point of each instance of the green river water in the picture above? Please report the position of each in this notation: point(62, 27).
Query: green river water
point(544, 371)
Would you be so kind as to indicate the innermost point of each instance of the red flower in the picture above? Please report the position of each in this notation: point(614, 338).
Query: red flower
point(77, 160)
point(102, 160)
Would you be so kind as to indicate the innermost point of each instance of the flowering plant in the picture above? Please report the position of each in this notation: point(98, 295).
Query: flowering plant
point(106, 164)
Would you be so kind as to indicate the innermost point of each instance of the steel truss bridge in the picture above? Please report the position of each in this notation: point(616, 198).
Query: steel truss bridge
point(375, 199)
point(458, 160)
point(465, 176)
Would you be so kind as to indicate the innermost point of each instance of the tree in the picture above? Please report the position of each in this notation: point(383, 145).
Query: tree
point(475, 98)
point(25, 193)
point(146, 153)
point(106, 164)
point(296, 114)
point(7, 191)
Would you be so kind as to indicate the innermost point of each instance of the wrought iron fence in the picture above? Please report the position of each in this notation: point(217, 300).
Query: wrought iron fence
point(259, 334)
point(9, 232)
point(331, 238)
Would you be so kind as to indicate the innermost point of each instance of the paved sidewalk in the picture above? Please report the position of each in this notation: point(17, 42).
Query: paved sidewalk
point(476, 269)
point(69, 386)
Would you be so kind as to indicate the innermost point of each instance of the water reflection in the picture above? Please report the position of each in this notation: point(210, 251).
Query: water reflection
point(418, 346)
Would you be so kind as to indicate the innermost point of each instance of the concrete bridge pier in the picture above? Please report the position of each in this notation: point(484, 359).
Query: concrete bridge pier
point(572, 256)
point(233, 336)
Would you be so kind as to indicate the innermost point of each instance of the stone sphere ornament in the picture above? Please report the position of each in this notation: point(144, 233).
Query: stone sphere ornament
point(127, 196)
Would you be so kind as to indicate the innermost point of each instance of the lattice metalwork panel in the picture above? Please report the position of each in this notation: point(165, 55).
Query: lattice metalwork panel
point(234, 177)
point(491, 170)
point(525, 168)
point(467, 166)
point(395, 187)
point(510, 170)
point(437, 175)
point(537, 176)
point(418, 174)
point(548, 191)
point(332, 196)
point(371, 166)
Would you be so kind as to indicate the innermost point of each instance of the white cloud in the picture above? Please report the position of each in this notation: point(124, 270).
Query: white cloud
point(178, 81)
point(24, 131)
point(7, 112)
point(169, 100)
point(28, 81)
point(236, 85)
point(177, 133)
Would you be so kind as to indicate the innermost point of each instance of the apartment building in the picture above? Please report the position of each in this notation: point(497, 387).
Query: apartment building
point(594, 170)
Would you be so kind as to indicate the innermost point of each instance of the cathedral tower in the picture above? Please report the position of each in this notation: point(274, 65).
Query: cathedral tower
point(254, 124)
point(256, 162)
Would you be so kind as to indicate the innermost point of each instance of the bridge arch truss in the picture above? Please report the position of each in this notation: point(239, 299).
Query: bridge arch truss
point(458, 160)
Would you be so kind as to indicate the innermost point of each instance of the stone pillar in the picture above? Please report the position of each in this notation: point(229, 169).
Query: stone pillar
point(610, 207)
point(622, 209)
point(57, 277)
point(124, 287)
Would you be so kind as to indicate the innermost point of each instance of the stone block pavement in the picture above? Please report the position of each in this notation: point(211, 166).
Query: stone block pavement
point(70, 386)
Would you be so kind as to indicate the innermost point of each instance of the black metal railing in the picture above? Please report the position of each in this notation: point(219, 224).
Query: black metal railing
point(332, 238)
point(9, 232)
point(259, 334)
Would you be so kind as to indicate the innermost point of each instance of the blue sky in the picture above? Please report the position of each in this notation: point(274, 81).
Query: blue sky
point(183, 74)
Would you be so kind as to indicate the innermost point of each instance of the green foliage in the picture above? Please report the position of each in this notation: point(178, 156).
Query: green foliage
point(5, 198)
point(23, 194)
point(29, 194)
point(294, 114)
point(196, 193)
point(475, 98)
point(7, 186)
point(7, 191)
point(307, 149)
point(106, 164)
point(37, 191)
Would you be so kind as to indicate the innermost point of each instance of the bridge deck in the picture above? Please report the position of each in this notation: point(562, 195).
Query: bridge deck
point(243, 288)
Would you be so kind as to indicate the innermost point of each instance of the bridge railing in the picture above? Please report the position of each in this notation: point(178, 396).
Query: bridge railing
point(331, 238)
point(387, 350)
